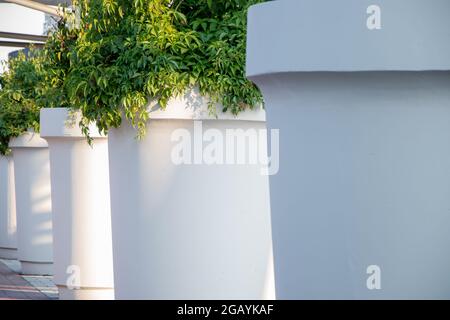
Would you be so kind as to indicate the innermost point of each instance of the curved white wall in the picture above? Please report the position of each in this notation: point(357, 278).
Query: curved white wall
point(364, 171)
point(33, 204)
point(8, 225)
point(187, 231)
point(83, 263)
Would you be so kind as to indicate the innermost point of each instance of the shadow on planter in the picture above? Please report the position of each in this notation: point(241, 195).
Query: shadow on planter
point(8, 224)
point(33, 204)
point(360, 206)
point(81, 208)
point(188, 231)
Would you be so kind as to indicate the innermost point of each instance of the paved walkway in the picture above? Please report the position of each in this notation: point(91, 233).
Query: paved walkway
point(16, 287)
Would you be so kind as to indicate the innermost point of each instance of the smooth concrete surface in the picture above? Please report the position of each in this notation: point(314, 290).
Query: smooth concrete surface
point(8, 253)
point(33, 204)
point(360, 206)
point(187, 231)
point(8, 223)
point(325, 35)
point(81, 207)
point(364, 180)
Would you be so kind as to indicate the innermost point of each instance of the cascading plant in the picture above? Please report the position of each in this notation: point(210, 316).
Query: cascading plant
point(129, 53)
point(33, 81)
point(57, 63)
point(19, 110)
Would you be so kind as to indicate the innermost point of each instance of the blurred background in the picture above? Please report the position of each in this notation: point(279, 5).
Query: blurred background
point(19, 19)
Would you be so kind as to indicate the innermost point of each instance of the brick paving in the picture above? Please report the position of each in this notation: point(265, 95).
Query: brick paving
point(15, 287)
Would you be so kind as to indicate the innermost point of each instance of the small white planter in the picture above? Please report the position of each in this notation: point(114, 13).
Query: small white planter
point(33, 203)
point(361, 205)
point(81, 208)
point(8, 226)
point(188, 231)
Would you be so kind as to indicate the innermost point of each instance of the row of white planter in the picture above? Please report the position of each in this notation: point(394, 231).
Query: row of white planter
point(360, 207)
point(175, 231)
point(61, 198)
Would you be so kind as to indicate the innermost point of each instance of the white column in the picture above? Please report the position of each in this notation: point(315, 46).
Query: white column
point(33, 204)
point(83, 261)
point(8, 225)
point(360, 93)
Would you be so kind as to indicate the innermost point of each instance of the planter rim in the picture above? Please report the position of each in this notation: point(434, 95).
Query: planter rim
point(61, 123)
point(29, 139)
point(334, 36)
point(194, 106)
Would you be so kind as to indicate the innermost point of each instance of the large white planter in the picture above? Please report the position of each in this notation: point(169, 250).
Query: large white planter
point(360, 206)
point(187, 231)
point(8, 226)
point(81, 208)
point(33, 203)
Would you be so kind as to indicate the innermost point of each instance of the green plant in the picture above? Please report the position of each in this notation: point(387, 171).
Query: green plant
point(34, 81)
point(56, 64)
point(130, 52)
point(19, 110)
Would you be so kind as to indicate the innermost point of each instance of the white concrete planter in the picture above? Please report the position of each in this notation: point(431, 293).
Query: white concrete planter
point(33, 203)
point(360, 206)
point(188, 231)
point(8, 226)
point(81, 208)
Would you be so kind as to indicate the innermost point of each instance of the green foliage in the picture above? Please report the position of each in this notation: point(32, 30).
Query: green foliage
point(33, 82)
point(111, 57)
point(56, 64)
point(130, 52)
point(19, 110)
